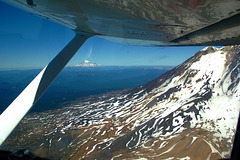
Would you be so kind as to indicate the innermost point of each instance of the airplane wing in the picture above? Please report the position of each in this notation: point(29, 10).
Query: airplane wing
point(145, 22)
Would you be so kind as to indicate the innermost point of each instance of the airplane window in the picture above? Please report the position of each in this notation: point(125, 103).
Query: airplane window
point(116, 101)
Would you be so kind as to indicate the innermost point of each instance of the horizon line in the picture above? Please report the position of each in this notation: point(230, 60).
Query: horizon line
point(39, 68)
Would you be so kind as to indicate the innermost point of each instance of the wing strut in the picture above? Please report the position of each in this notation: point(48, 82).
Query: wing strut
point(30, 95)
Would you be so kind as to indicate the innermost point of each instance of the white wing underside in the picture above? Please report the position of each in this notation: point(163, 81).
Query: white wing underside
point(145, 22)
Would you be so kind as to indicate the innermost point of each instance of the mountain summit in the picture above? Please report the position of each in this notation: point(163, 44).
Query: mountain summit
point(190, 112)
point(87, 63)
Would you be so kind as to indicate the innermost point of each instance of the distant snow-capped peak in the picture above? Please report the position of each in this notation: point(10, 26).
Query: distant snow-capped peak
point(87, 63)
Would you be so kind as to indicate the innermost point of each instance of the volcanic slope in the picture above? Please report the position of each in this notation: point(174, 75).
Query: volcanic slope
point(189, 112)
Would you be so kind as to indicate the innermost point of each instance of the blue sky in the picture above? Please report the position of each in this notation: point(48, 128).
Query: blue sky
point(28, 41)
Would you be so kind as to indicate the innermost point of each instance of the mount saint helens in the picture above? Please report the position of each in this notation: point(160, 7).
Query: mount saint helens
point(190, 112)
